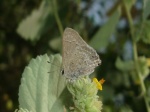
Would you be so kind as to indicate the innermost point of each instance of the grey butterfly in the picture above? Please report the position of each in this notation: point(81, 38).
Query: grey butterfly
point(79, 59)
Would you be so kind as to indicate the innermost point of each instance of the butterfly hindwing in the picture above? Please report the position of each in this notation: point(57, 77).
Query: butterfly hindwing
point(78, 57)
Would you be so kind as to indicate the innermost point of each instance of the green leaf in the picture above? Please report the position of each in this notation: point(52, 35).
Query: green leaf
point(55, 43)
point(145, 34)
point(32, 27)
point(43, 88)
point(124, 65)
point(125, 109)
point(143, 67)
point(22, 110)
point(142, 32)
point(101, 38)
point(146, 9)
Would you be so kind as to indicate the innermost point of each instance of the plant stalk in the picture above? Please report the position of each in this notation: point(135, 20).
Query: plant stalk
point(135, 56)
point(60, 27)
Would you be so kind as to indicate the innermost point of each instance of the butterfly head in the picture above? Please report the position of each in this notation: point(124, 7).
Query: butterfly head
point(62, 71)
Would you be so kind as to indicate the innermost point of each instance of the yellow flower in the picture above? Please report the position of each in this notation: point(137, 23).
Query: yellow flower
point(99, 83)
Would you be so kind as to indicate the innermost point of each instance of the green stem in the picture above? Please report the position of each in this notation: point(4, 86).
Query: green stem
point(60, 27)
point(147, 103)
point(135, 56)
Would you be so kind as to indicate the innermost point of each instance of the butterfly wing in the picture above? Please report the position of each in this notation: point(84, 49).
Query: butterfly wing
point(78, 57)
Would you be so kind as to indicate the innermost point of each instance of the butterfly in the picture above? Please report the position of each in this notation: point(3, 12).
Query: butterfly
point(78, 58)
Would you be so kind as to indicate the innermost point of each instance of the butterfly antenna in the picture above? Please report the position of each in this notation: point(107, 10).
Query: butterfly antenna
point(53, 64)
point(51, 72)
point(54, 71)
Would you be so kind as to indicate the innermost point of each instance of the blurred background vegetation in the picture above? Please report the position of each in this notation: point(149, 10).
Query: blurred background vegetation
point(118, 29)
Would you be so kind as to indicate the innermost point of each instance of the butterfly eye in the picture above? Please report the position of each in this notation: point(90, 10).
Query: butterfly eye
point(62, 72)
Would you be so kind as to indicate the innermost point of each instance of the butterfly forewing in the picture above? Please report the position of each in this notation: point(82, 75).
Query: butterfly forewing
point(78, 57)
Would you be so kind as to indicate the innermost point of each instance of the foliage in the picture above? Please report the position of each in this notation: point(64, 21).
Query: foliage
point(43, 89)
point(29, 28)
point(46, 91)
